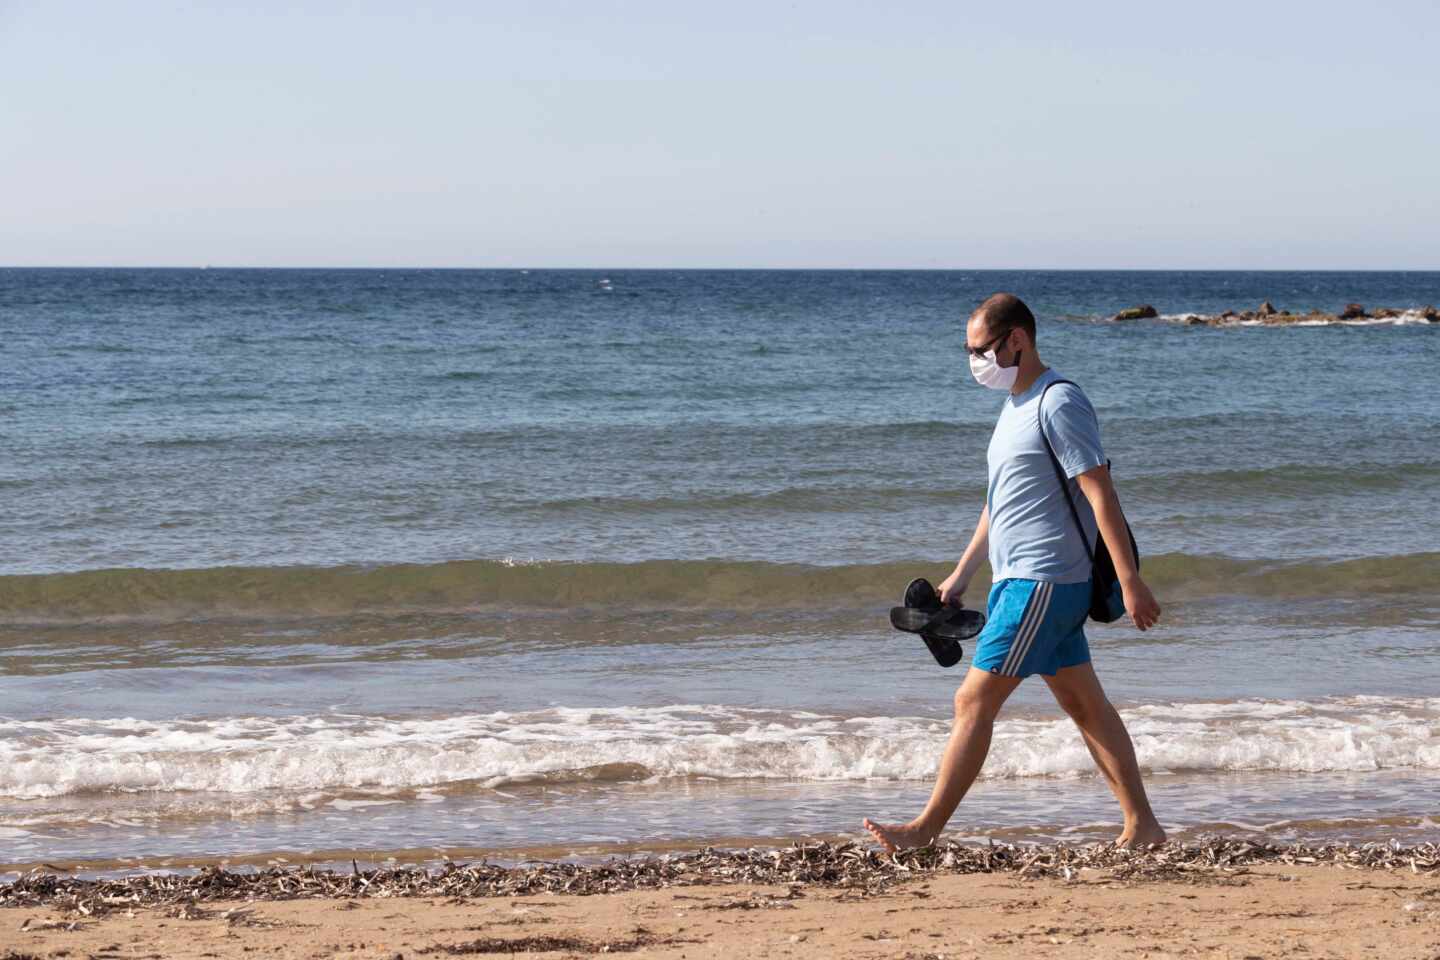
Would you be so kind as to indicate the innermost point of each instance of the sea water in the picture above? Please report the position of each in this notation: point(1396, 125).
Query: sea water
point(309, 563)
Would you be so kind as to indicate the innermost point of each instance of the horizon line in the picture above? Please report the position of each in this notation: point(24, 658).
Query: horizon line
point(752, 269)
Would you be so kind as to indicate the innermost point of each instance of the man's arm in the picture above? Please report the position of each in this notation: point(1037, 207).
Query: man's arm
point(955, 585)
point(1100, 491)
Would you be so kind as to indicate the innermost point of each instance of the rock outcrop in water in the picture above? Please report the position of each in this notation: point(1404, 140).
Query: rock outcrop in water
point(1268, 315)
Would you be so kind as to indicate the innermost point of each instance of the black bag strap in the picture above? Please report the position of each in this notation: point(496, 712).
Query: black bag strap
point(1059, 471)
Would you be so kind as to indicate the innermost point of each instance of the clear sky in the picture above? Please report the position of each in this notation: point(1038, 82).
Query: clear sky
point(767, 134)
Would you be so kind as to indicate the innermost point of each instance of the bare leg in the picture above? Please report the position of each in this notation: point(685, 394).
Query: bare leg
point(1078, 692)
point(977, 703)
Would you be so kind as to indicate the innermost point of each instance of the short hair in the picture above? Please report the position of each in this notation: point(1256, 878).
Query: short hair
point(1005, 311)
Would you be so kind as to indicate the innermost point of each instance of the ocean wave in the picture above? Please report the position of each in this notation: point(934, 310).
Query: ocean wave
point(1269, 483)
point(1288, 479)
point(814, 499)
point(340, 754)
point(465, 586)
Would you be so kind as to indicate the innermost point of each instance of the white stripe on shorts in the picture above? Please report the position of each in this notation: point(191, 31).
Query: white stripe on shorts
point(1029, 627)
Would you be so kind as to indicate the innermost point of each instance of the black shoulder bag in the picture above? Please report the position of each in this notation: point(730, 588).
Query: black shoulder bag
point(1106, 603)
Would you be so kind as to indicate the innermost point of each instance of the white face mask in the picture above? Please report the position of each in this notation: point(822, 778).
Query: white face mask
point(988, 373)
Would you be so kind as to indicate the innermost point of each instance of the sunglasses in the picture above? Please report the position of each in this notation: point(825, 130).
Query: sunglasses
point(979, 352)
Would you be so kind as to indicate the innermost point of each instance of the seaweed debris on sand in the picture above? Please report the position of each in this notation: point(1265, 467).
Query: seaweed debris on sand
point(850, 866)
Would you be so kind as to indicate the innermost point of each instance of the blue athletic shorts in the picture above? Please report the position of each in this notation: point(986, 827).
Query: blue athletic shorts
point(1033, 626)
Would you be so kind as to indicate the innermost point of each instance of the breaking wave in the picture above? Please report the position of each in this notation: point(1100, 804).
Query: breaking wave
point(332, 754)
point(478, 585)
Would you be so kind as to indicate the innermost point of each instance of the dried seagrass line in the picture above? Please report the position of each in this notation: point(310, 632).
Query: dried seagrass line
point(845, 866)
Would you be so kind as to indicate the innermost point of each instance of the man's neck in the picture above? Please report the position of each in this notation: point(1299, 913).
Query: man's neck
point(1030, 370)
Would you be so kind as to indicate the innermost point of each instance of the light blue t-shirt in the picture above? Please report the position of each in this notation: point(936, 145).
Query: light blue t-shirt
point(1032, 533)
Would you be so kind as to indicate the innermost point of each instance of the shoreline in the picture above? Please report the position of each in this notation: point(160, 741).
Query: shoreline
point(844, 865)
point(1226, 898)
point(1404, 833)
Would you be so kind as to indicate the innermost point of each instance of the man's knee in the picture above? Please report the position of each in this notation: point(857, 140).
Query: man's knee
point(1084, 709)
point(972, 702)
point(1078, 692)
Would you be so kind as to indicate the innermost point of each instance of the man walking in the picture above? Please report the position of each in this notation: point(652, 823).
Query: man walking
point(1041, 593)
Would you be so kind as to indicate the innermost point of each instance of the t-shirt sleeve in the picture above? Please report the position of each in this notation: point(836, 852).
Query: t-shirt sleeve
point(1073, 429)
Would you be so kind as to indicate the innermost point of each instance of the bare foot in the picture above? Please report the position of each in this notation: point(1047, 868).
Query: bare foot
point(1144, 837)
point(895, 838)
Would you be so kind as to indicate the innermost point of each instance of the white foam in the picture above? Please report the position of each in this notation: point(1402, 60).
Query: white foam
point(310, 759)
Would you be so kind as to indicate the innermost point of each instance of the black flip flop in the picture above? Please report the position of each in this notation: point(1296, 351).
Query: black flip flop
point(941, 627)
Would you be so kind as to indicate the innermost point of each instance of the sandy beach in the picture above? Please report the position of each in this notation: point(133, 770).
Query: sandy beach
point(1142, 907)
point(1268, 911)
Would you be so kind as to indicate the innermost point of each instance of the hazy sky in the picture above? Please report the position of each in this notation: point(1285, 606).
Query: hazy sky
point(827, 134)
